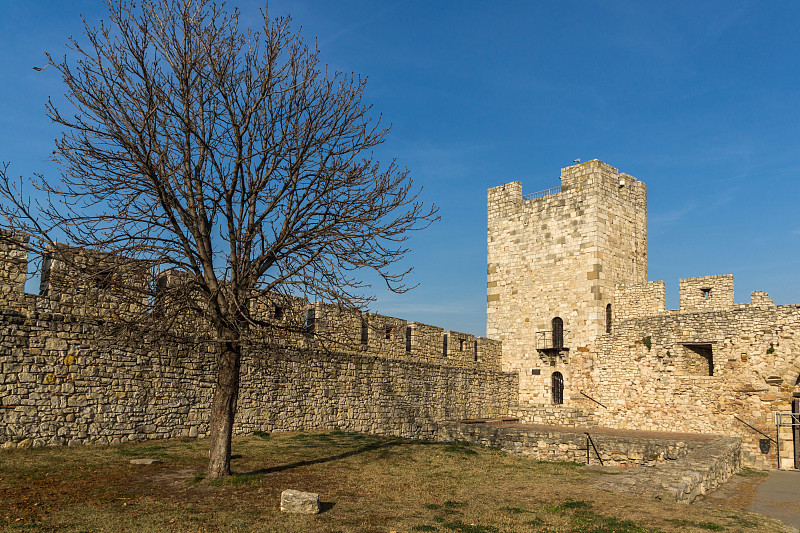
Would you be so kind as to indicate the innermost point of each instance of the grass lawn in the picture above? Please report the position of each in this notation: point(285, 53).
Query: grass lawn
point(365, 483)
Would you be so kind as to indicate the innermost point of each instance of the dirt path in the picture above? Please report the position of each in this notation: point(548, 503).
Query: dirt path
point(776, 495)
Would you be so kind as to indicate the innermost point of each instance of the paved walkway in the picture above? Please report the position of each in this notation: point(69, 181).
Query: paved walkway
point(776, 495)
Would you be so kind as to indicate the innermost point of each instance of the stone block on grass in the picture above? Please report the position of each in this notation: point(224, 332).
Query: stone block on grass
point(295, 501)
point(145, 461)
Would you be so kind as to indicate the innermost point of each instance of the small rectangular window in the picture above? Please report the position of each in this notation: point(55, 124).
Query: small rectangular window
point(408, 339)
point(364, 331)
point(444, 345)
point(277, 313)
point(388, 334)
point(461, 345)
point(706, 293)
point(311, 319)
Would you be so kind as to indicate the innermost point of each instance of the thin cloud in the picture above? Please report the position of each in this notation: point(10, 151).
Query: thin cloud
point(363, 23)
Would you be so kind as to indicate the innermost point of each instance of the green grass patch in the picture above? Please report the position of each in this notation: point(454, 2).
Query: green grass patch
point(461, 447)
point(711, 526)
point(750, 472)
point(515, 510)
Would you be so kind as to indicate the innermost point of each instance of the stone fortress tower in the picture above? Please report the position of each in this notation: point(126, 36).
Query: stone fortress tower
point(554, 258)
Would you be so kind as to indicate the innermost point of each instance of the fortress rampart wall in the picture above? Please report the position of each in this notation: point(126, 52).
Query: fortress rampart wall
point(81, 283)
point(66, 380)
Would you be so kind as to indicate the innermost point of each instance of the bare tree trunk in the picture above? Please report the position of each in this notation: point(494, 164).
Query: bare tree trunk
point(223, 410)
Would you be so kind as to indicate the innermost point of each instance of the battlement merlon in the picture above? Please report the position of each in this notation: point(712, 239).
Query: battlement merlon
point(595, 175)
point(13, 267)
point(700, 294)
point(634, 300)
point(706, 293)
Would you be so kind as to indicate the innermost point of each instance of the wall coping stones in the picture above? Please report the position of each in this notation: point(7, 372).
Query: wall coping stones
point(677, 468)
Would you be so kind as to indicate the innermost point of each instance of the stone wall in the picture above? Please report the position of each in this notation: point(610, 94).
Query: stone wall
point(724, 370)
point(560, 254)
point(69, 377)
point(62, 383)
point(706, 293)
point(637, 299)
point(676, 470)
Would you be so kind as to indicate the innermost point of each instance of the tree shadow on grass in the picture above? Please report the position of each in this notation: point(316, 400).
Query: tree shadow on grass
point(344, 455)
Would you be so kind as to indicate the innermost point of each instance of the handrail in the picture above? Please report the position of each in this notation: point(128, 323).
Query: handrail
point(588, 441)
point(544, 339)
point(542, 194)
point(755, 429)
point(595, 401)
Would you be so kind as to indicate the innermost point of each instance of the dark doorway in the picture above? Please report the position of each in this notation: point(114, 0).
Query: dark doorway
point(558, 388)
point(558, 333)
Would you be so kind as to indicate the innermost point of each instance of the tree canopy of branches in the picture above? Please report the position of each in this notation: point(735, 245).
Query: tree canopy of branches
point(232, 157)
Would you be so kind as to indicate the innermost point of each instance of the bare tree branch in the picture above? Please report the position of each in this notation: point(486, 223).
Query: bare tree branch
point(226, 166)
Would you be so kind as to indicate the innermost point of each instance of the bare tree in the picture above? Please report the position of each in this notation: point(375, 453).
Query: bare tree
point(232, 157)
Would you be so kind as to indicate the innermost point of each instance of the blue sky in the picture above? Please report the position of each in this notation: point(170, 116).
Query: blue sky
point(699, 100)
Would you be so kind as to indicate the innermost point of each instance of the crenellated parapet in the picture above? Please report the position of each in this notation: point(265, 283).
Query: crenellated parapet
point(95, 285)
point(335, 328)
point(697, 295)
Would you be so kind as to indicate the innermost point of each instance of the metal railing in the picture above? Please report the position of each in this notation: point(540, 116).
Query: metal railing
point(542, 194)
point(544, 340)
point(791, 420)
point(595, 401)
point(590, 441)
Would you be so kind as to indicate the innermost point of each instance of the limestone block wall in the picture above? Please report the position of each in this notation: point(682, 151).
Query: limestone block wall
point(63, 384)
point(633, 300)
point(93, 284)
point(699, 372)
point(706, 293)
point(426, 341)
point(560, 254)
point(13, 268)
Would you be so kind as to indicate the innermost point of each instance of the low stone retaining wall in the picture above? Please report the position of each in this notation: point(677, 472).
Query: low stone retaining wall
point(554, 415)
point(563, 445)
point(704, 468)
point(669, 469)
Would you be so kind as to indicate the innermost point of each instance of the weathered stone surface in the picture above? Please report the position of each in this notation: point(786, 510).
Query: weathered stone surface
point(677, 470)
point(122, 389)
point(145, 461)
point(295, 501)
point(579, 253)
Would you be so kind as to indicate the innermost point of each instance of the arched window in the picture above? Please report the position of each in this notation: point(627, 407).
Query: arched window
point(558, 333)
point(608, 318)
point(558, 388)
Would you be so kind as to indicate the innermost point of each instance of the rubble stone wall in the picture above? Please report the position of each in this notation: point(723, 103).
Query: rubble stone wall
point(63, 383)
point(723, 371)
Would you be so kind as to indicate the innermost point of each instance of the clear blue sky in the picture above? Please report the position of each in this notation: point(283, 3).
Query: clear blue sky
point(698, 99)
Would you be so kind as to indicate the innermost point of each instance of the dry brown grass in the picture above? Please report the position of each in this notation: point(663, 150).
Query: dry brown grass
point(366, 483)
